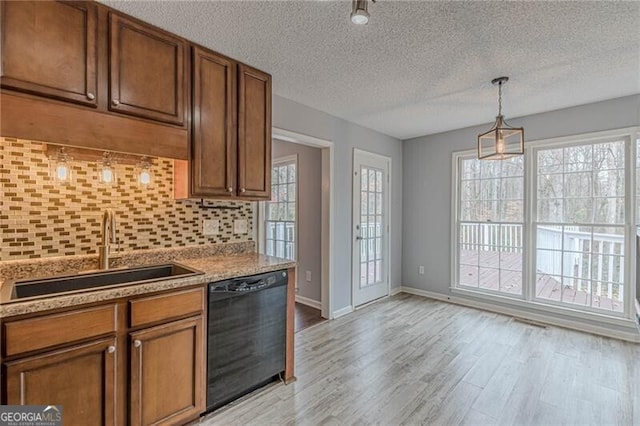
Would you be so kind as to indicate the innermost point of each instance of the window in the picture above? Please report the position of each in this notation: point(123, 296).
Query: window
point(491, 223)
point(280, 212)
point(371, 224)
point(566, 241)
point(580, 233)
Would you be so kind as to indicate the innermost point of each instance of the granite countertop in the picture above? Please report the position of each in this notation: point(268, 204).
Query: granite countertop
point(214, 268)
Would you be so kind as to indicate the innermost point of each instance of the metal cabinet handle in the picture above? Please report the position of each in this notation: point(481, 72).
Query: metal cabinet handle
point(115, 102)
point(137, 343)
point(91, 96)
point(111, 349)
point(230, 189)
point(359, 238)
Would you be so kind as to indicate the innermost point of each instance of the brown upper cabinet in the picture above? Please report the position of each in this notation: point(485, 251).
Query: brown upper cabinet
point(254, 133)
point(147, 73)
point(213, 145)
point(231, 141)
point(155, 96)
point(49, 49)
point(78, 73)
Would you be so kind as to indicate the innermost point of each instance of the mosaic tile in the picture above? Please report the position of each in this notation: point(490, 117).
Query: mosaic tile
point(41, 218)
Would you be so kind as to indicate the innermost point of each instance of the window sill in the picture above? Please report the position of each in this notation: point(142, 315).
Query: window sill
point(615, 319)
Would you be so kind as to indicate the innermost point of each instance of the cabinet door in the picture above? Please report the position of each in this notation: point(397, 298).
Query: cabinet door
point(213, 162)
point(254, 133)
point(167, 373)
point(49, 49)
point(147, 71)
point(80, 378)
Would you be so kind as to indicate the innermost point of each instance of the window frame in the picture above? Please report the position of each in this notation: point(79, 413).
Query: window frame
point(262, 209)
point(456, 234)
point(628, 164)
point(528, 299)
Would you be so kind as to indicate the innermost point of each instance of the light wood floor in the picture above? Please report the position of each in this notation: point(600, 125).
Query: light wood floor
point(412, 360)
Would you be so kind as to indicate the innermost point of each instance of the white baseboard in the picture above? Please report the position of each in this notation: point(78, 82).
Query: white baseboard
point(342, 312)
point(395, 290)
point(566, 323)
point(309, 302)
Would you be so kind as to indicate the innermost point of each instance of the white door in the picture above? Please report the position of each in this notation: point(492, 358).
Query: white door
point(370, 233)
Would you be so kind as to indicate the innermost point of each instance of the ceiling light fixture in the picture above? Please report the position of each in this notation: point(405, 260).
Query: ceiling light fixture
point(502, 141)
point(359, 12)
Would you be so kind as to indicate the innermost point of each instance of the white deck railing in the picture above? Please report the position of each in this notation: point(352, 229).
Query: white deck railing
point(597, 261)
point(491, 237)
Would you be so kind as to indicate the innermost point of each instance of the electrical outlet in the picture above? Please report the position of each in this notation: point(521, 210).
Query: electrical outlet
point(308, 275)
point(421, 270)
point(210, 226)
point(240, 226)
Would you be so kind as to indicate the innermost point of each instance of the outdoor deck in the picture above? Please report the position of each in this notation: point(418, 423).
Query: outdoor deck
point(547, 287)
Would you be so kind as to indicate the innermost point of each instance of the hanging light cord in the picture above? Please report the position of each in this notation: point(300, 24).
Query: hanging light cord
point(500, 98)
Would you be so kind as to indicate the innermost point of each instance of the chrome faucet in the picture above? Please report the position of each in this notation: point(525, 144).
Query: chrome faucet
point(108, 237)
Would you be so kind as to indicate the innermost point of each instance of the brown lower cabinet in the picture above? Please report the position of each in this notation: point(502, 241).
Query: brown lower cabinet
point(167, 373)
point(141, 359)
point(81, 378)
point(137, 361)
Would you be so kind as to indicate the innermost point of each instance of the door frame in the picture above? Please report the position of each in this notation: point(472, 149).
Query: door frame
point(387, 224)
point(328, 211)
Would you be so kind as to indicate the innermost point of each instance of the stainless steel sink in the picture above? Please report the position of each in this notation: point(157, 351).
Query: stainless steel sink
point(86, 281)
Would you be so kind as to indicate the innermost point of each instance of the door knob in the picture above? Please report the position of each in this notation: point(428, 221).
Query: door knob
point(243, 190)
point(111, 349)
point(230, 189)
point(137, 343)
point(91, 96)
point(115, 102)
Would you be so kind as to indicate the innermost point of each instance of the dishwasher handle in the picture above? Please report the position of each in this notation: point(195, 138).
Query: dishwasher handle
point(249, 284)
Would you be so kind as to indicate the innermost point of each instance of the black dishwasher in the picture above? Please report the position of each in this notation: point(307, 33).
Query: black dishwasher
point(246, 335)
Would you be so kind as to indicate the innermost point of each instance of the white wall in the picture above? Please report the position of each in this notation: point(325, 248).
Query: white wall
point(345, 136)
point(309, 203)
point(427, 181)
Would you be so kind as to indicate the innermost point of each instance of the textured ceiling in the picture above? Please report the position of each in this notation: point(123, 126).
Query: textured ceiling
point(420, 67)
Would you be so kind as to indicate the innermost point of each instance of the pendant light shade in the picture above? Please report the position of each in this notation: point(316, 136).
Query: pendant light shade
point(107, 170)
point(60, 169)
point(145, 176)
point(502, 140)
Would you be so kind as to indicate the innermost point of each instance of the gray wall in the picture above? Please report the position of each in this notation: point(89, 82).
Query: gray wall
point(309, 203)
point(345, 135)
point(427, 181)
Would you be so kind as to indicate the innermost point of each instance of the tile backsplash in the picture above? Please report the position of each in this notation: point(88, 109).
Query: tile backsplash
point(42, 218)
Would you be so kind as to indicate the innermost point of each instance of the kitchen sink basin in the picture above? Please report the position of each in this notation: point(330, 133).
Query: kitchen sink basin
point(87, 281)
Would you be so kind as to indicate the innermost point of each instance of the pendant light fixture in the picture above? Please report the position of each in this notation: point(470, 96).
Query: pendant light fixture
point(107, 170)
point(359, 12)
point(502, 140)
point(60, 167)
point(145, 176)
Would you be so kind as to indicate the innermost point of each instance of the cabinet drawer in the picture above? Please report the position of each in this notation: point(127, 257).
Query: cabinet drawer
point(166, 306)
point(53, 330)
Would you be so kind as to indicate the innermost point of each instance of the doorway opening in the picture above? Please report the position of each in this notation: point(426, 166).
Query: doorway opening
point(298, 223)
